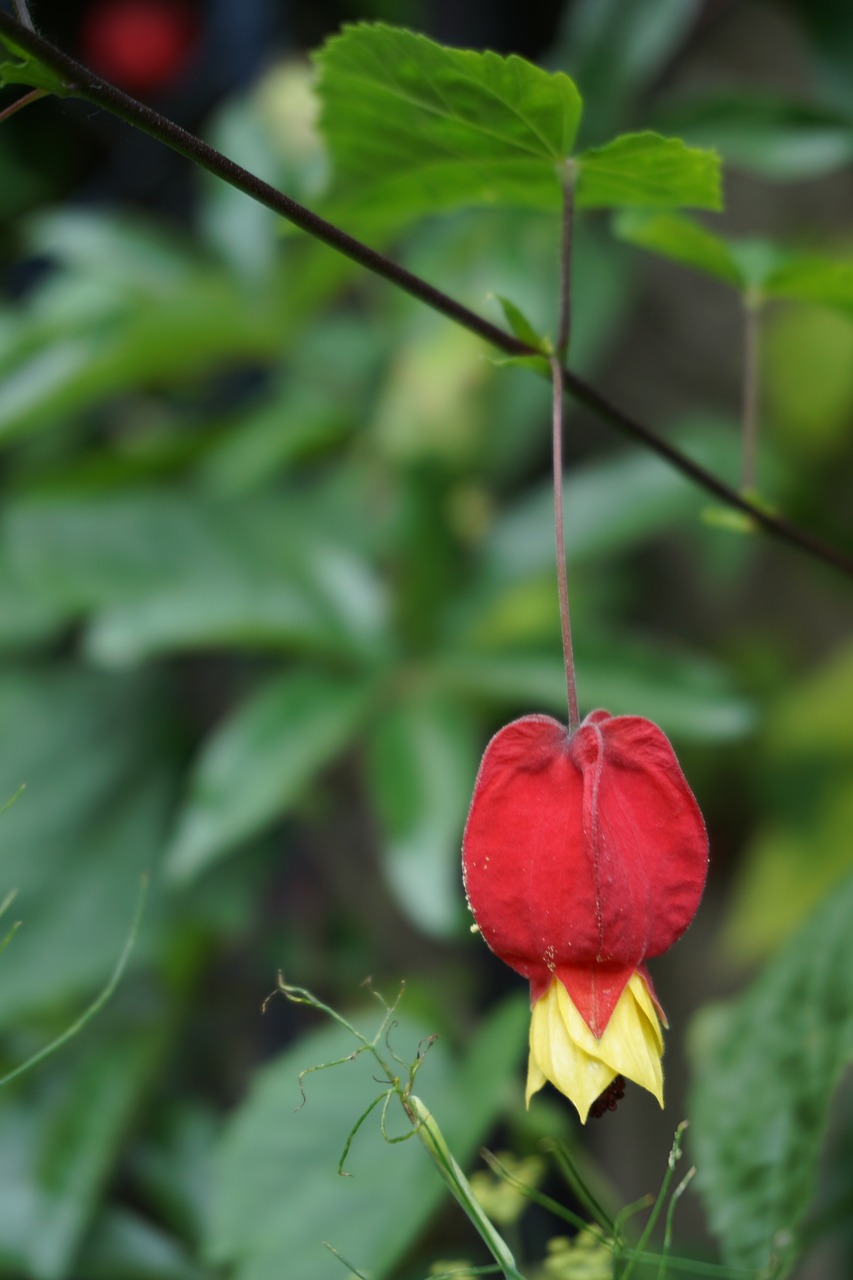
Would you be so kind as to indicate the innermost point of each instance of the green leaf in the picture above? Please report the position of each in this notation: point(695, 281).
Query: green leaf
point(610, 506)
point(415, 127)
point(520, 325)
point(256, 765)
point(807, 368)
point(802, 846)
point(302, 418)
point(511, 253)
point(165, 570)
point(822, 280)
point(422, 763)
point(90, 823)
point(237, 612)
point(536, 364)
point(690, 697)
point(813, 719)
point(431, 405)
point(84, 551)
point(124, 250)
point(125, 306)
point(784, 872)
point(681, 240)
point(646, 169)
point(79, 910)
point(616, 51)
point(65, 1037)
point(758, 260)
point(777, 138)
point(775, 271)
point(23, 184)
point(27, 619)
point(163, 341)
point(171, 1166)
point(59, 1146)
point(124, 1245)
point(242, 231)
point(81, 1145)
point(273, 1155)
point(146, 311)
point(418, 127)
point(24, 69)
point(767, 1065)
point(830, 33)
point(730, 520)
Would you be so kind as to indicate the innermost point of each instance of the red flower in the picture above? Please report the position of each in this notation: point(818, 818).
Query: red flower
point(141, 44)
point(585, 854)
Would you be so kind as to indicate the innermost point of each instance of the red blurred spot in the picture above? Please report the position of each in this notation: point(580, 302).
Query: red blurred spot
point(138, 44)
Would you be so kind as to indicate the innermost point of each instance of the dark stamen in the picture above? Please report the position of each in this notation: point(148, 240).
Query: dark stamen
point(610, 1099)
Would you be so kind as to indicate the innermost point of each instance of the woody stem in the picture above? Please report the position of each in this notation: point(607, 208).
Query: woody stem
point(82, 83)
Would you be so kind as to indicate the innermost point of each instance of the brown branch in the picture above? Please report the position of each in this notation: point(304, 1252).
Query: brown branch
point(82, 83)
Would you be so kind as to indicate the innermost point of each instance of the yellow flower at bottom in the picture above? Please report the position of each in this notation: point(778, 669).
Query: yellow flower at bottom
point(564, 1050)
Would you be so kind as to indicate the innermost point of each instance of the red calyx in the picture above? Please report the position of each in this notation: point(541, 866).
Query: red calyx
point(584, 854)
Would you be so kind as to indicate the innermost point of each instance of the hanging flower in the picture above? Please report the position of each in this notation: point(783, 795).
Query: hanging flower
point(584, 855)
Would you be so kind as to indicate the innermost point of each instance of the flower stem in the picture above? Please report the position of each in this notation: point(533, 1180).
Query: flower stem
point(670, 1213)
point(422, 1122)
point(749, 404)
point(575, 1180)
point(431, 1137)
point(674, 1157)
point(557, 363)
point(565, 320)
point(32, 96)
point(562, 578)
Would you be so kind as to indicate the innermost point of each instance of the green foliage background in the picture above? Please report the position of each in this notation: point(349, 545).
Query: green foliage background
point(275, 560)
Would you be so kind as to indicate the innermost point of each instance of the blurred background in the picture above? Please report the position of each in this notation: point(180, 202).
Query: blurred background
point(275, 562)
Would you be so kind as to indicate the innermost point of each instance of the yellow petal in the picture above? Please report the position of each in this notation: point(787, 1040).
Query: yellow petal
point(564, 1050)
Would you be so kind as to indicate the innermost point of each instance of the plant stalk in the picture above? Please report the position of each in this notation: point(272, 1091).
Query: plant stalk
point(82, 83)
point(560, 538)
point(25, 101)
point(564, 326)
point(557, 366)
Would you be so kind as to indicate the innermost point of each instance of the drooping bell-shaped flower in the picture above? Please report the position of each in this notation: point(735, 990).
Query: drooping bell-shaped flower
point(584, 855)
